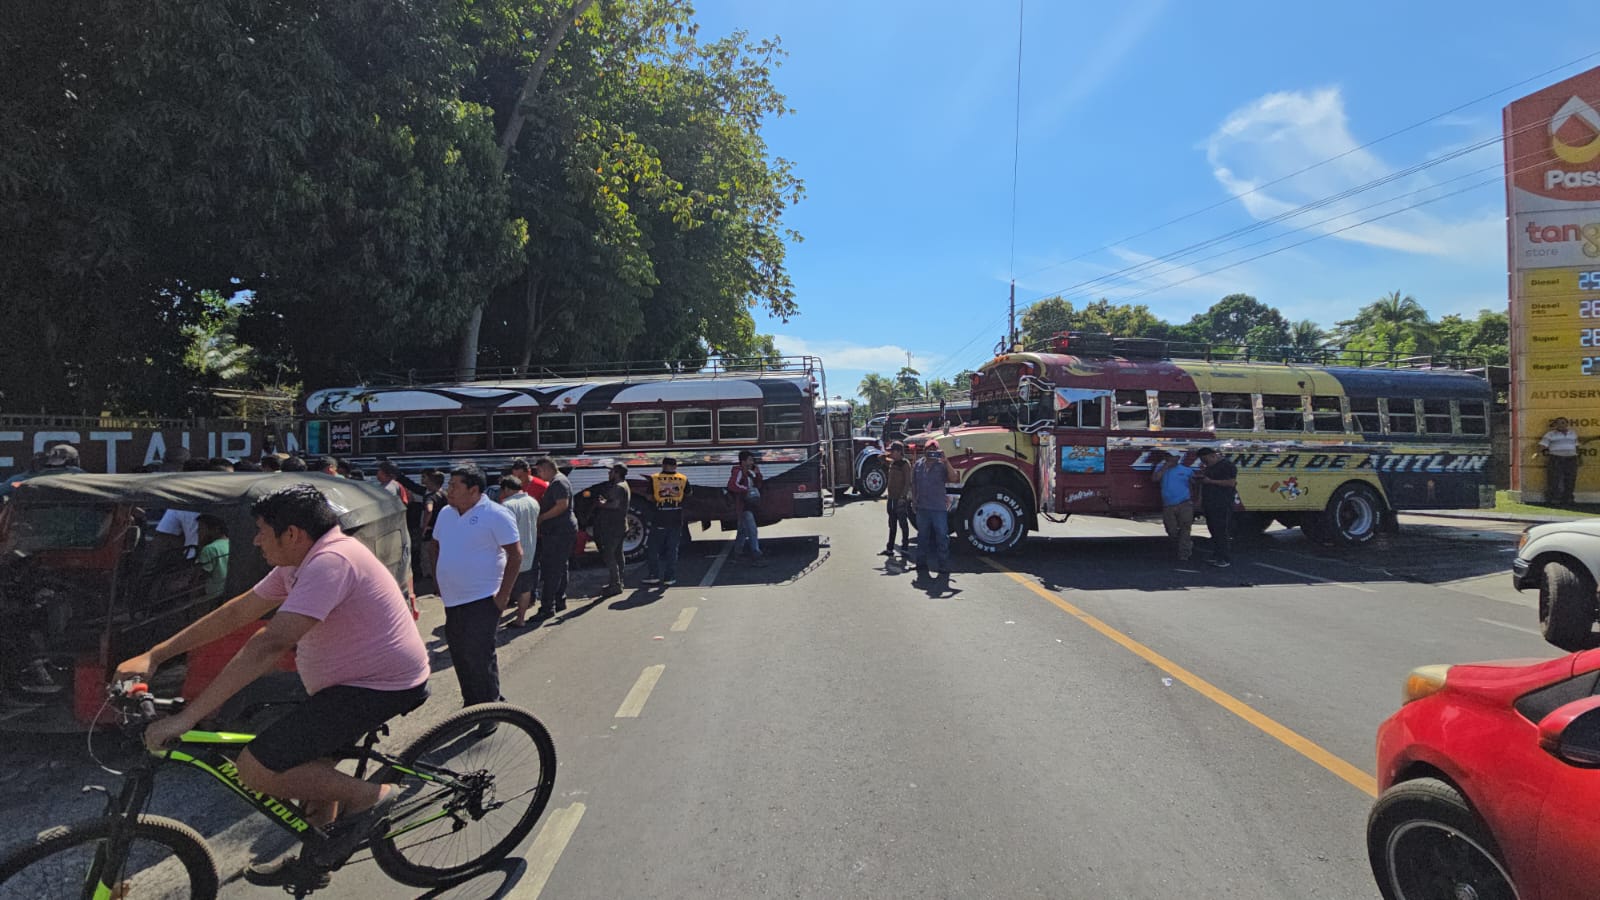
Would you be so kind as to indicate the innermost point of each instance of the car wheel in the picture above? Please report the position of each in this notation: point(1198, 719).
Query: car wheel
point(1354, 514)
point(991, 520)
point(1566, 598)
point(873, 480)
point(1424, 841)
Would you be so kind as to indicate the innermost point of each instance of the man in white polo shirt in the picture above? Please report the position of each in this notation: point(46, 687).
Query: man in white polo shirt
point(478, 551)
point(1560, 446)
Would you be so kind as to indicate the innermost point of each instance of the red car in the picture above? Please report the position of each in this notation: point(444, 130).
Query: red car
point(1491, 783)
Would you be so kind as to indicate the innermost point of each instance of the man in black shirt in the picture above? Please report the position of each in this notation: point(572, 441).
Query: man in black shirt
point(558, 531)
point(1218, 481)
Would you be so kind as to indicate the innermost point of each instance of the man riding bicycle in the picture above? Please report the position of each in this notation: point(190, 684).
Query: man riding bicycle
point(358, 652)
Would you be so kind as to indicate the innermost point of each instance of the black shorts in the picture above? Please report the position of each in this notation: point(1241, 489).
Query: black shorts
point(332, 719)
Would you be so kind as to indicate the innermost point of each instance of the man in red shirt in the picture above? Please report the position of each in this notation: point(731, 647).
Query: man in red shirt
point(532, 485)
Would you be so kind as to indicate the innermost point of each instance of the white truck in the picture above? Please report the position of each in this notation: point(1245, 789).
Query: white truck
point(1562, 560)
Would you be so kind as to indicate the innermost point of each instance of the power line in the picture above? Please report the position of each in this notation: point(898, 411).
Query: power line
point(1260, 187)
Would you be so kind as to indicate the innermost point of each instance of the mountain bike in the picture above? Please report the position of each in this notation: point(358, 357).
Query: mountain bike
point(472, 787)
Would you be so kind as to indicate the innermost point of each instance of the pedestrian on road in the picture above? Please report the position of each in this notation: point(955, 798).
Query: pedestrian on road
point(532, 484)
point(558, 531)
point(898, 494)
point(745, 483)
point(668, 491)
point(1177, 501)
point(1560, 448)
point(525, 510)
point(478, 554)
point(928, 478)
point(1217, 489)
point(611, 525)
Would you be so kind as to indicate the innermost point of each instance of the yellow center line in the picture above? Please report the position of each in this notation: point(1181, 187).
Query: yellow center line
point(1287, 736)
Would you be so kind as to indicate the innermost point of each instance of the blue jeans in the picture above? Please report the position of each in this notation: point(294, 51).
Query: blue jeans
point(933, 535)
point(661, 550)
point(747, 534)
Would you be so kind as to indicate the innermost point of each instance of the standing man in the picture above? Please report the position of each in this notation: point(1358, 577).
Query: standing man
point(558, 531)
point(478, 554)
point(745, 483)
point(212, 559)
point(532, 485)
point(1177, 501)
point(1217, 484)
point(611, 525)
point(898, 492)
point(1560, 448)
point(525, 510)
point(668, 490)
point(928, 478)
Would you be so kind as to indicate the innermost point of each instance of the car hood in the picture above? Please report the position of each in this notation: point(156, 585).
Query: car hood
point(1504, 680)
point(1590, 526)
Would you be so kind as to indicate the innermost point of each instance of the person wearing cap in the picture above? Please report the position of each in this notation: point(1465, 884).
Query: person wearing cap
point(612, 500)
point(668, 491)
point(62, 459)
point(1218, 481)
point(928, 478)
point(898, 498)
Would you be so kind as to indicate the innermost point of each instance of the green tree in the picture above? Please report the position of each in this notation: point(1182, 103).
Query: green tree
point(1240, 319)
point(1045, 318)
point(908, 384)
point(878, 390)
point(938, 388)
point(1306, 335)
point(1487, 336)
point(1394, 323)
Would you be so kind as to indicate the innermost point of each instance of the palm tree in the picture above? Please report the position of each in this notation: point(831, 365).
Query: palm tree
point(1306, 335)
point(1391, 321)
point(878, 390)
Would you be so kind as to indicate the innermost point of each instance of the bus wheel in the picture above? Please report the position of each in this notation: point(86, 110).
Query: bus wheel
point(873, 480)
point(991, 520)
point(1354, 514)
point(634, 532)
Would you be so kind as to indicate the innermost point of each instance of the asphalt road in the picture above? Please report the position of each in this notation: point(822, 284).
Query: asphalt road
point(1080, 720)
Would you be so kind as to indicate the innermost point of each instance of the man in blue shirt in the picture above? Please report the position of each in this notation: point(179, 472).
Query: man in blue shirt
point(1177, 500)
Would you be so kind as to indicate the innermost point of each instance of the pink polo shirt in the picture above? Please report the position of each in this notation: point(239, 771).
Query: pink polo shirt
point(365, 636)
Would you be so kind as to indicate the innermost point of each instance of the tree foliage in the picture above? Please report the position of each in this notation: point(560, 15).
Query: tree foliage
point(1047, 317)
point(335, 170)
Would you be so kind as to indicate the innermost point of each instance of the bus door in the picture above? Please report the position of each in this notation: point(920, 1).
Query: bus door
point(1078, 479)
point(841, 450)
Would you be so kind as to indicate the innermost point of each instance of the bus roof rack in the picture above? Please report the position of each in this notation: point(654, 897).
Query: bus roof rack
point(665, 370)
point(1099, 345)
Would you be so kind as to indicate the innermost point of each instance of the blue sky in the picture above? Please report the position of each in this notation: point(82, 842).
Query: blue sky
point(1134, 114)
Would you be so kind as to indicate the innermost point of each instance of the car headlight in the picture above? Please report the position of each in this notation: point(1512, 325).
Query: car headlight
point(1424, 681)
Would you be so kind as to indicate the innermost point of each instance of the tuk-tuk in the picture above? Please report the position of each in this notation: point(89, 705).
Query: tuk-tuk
point(86, 581)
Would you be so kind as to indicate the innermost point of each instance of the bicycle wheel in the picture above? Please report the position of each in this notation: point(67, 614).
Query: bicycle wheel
point(494, 768)
point(167, 860)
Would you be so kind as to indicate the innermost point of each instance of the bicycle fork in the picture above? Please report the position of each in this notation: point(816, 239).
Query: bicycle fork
point(104, 878)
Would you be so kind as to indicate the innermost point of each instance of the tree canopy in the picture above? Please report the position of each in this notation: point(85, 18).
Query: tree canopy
point(335, 171)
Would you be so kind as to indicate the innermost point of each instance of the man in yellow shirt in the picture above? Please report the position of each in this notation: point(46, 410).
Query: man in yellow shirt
point(668, 490)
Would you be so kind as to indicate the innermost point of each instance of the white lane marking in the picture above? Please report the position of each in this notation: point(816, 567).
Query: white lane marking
point(634, 702)
point(1317, 578)
point(1533, 631)
point(716, 566)
point(684, 618)
point(545, 851)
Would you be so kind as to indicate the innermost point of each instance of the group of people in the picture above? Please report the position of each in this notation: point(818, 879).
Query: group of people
point(1217, 478)
point(916, 492)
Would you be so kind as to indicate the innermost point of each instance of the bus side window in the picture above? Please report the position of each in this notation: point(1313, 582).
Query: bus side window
point(513, 431)
point(424, 434)
point(1436, 417)
point(558, 430)
point(468, 433)
point(785, 425)
point(1327, 415)
point(1402, 416)
point(1232, 412)
point(1474, 420)
point(1132, 411)
point(1083, 414)
point(379, 437)
point(647, 427)
point(736, 425)
point(1180, 410)
point(1364, 410)
point(602, 428)
point(1282, 412)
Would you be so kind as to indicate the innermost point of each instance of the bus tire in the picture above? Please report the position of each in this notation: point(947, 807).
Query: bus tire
point(1354, 515)
point(990, 520)
point(1566, 607)
point(874, 479)
point(636, 530)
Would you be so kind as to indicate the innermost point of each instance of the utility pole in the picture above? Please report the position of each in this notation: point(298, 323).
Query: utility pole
point(1011, 329)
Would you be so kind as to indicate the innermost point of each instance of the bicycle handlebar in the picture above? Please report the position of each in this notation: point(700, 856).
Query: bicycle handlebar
point(135, 696)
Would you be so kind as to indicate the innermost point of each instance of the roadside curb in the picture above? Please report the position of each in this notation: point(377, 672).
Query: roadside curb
point(1491, 517)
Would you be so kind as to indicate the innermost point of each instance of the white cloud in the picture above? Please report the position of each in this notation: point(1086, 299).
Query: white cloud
point(1088, 71)
point(885, 358)
point(1276, 136)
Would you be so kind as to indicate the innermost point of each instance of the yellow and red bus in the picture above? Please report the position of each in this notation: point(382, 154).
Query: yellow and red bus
point(1333, 449)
